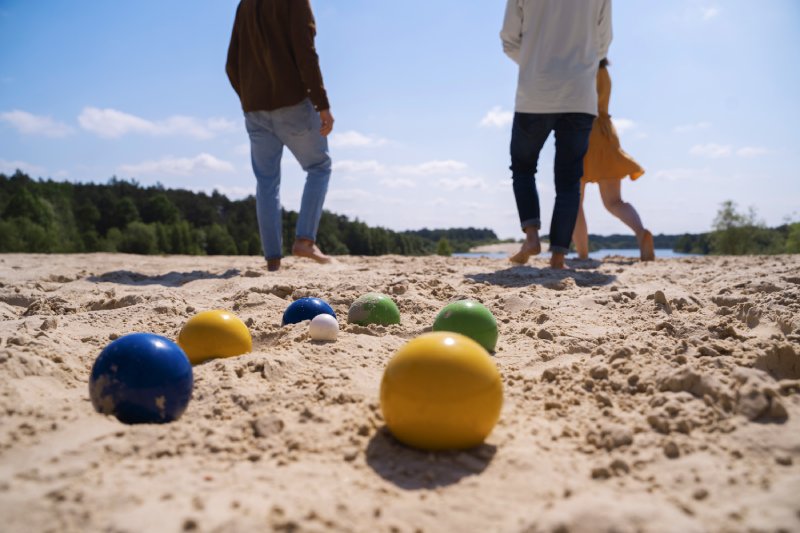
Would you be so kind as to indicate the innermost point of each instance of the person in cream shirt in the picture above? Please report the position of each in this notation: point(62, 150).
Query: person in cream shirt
point(558, 45)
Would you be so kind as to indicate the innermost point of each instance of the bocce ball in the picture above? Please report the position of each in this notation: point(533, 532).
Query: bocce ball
point(141, 379)
point(323, 328)
point(374, 308)
point(306, 309)
point(441, 391)
point(469, 318)
point(213, 334)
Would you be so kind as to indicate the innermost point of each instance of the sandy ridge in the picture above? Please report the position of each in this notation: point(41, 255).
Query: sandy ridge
point(638, 397)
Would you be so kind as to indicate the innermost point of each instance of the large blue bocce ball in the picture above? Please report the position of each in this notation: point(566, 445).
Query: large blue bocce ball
point(306, 309)
point(141, 379)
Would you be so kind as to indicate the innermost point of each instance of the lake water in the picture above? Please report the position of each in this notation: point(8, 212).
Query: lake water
point(599, 254)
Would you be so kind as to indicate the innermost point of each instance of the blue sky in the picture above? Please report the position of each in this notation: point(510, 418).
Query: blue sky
point(704, 98)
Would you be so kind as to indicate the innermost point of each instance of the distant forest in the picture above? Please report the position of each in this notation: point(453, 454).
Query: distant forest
point(123, 216)
point(733, 233)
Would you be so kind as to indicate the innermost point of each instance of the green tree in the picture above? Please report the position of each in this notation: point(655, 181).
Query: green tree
point(139, 238)
point(23, 204)
point(732, 230)
point(87, 216)
point(159, 208)
point(219, 241)
point(110, 243)
point(23, 235)
point(793, 240)
point(738, 233)
point(10, 239)
point(125, 212)
point(163, 243)
point(443, 248)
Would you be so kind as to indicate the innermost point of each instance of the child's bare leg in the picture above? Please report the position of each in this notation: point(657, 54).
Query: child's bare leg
point(580, 236)
point(611, 193)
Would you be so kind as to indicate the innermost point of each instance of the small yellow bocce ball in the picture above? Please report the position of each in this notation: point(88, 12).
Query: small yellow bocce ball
point(213, 334)
point(441, 391)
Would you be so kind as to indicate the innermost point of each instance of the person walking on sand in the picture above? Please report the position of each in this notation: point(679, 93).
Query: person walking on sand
point(606, 164)
point(558, 45)
point(274, 68)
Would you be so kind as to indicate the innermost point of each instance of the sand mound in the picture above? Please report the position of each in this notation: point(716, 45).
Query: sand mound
point(638, 397)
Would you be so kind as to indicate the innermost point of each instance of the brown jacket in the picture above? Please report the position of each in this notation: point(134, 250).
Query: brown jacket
point(272, 61)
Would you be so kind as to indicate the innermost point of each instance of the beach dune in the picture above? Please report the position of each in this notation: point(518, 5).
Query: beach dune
point(638, 397)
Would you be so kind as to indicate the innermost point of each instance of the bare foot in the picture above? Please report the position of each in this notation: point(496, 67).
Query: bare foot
point(557, 261)
point(529, 248)
point(647, 250)
point(273, 265)
point(307, 248)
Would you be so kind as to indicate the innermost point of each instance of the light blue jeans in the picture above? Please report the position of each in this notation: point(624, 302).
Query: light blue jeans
point(296, 127)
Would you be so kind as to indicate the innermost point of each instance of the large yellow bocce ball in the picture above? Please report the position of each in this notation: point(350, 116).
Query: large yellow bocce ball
point(213, 334)
point(441, 391)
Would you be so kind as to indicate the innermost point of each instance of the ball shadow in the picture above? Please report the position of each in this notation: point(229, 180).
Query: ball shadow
point(412, 469)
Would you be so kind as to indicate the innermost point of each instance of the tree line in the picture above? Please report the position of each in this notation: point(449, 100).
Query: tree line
point(738, 232)
point(47, 216)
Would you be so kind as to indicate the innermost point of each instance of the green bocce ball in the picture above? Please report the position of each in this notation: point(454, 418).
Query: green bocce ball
point(469, 318)
point(374, 308)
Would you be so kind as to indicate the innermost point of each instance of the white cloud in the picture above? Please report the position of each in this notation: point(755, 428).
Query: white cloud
point(685, 128)
point(752, 151)
point(497, 118)
point(9, 167)
point(710, 12)
point(348, 196)
point(432, 167)
point(354, 139)
point(179, 166)
point(463, 183)
point(112, 124)
point(682, 174)
point(711, 150)
point(398, 183)
point(30, 124)
point(374, 167)
point(358, 167)
point(623, 125)
point(715, 151)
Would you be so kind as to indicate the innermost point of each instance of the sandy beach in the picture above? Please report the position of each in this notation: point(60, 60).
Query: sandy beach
point(638, 398)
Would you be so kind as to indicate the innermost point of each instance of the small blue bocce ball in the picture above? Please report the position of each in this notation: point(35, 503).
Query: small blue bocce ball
point(306, 309)
point(141, 379)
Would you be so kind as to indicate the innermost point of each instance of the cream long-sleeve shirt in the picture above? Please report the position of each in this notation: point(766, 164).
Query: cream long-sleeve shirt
point(558, 45)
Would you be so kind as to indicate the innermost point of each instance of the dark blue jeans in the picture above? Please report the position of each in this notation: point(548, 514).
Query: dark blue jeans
point(528, 135)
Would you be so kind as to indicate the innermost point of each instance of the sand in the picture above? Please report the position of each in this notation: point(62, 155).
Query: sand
point(638, 397)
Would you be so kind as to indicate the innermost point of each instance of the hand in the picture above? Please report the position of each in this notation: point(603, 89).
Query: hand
point(327, 122)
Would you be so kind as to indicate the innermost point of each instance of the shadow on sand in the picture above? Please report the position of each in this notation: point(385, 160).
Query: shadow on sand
point(172, 279)
point(413, 469)
point(525, 276)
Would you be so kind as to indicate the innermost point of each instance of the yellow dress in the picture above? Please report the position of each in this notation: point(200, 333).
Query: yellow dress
point(606, 160)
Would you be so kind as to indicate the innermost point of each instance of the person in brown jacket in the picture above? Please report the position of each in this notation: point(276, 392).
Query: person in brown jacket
point(274, 68)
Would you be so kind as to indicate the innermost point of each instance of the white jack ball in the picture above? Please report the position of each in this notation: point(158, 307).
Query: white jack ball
point(323, 328)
